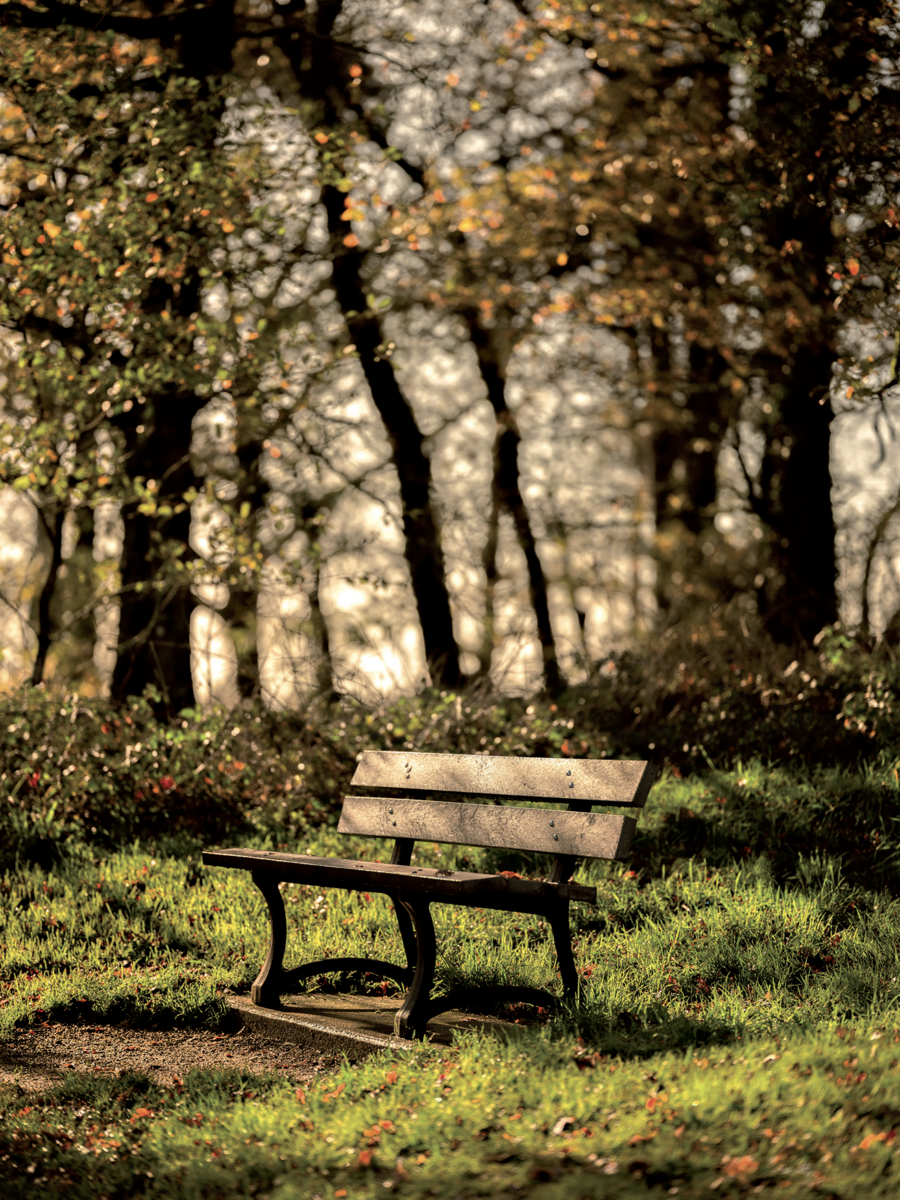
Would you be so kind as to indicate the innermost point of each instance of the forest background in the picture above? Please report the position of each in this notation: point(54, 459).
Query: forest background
point(362, 345)
point(365, 350)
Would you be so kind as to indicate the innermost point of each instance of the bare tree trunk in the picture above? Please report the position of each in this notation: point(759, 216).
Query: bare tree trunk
point(686, 445)
point(53, 527)
point(881, 528)
point(423, 542)
point(507, 494)
point(155, 620)
point(801, 597)
point(489, 561)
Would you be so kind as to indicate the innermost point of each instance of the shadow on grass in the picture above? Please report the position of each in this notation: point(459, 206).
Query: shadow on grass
point(625, 1035)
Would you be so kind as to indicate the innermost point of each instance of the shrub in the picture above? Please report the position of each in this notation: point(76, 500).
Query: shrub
point(73, 769)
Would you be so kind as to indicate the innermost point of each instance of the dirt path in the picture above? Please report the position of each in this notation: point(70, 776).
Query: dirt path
point(38, 1057)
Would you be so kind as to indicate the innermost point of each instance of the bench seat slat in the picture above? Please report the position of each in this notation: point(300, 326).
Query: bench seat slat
point(584, 835)
point(598, 781)
point(391, 877)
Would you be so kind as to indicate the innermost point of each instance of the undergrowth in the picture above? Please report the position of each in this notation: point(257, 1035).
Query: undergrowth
point(737, 1024)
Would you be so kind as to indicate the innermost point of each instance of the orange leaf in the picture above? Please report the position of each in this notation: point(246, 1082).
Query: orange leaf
point(151, 196)
point(452, 79)
point(870, 1139)
point(365, 1158)
point(321, 138)
point(853, 266)
point(227, 227)
point(356, 70)
point(562, 259)
point(351, 240)
point(391, 1077)
point(301, 1095)
point(637, 1138)
point(741, 1166)
point(651, 1103)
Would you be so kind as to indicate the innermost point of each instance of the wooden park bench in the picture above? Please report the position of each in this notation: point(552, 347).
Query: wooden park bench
point(399, 811)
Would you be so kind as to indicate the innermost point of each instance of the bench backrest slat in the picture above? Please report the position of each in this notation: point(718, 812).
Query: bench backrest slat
point(584, 835)
point(573, 780)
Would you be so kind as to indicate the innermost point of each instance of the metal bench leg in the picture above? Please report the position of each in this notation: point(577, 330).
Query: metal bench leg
point(407, 932)
point(559, 923)
point(412, 1017)
point(266, 989)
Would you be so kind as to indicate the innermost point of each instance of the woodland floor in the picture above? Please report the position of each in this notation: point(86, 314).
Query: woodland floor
point(39, 1056)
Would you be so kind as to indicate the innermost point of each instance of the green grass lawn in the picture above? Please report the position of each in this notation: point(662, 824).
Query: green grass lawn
point(737, 1029)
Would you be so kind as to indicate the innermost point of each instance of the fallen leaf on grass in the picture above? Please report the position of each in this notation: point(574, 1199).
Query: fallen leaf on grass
point(637, 1138)
point(739, 1168)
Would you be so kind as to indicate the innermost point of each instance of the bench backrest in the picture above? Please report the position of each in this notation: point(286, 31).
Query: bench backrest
point(577, 832)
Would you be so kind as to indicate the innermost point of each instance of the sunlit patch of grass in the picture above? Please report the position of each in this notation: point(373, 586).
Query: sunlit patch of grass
point(817, 1108)
point(712, 950)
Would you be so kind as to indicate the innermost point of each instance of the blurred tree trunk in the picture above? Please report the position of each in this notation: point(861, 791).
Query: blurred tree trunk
point(686, 440)
point(52, 518)
point(800, 597)
point(507, 496)
point(320, 67)
point(155, 613)
point(489, 562)
point(420, 526)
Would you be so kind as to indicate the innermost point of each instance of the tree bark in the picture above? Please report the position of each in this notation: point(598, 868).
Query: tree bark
point(420, 527)
point(801, 597)
point(507, 495)
point(53, 527)
point(155, 615)
point(686, 443)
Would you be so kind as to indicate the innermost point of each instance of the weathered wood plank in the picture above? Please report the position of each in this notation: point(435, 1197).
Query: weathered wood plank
point(461, 887)
point(584, 835)
point(594, 780)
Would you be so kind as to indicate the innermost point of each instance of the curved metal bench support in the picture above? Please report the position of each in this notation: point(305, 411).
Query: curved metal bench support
point(412, 1016)
point(273, 980)
point(267, 985)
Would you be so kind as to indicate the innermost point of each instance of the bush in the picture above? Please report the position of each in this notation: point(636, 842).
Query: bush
point(98, 773)
point(95, 772)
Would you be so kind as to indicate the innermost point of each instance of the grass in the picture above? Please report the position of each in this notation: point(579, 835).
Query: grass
point(812, 1110)
point(738, 1028)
